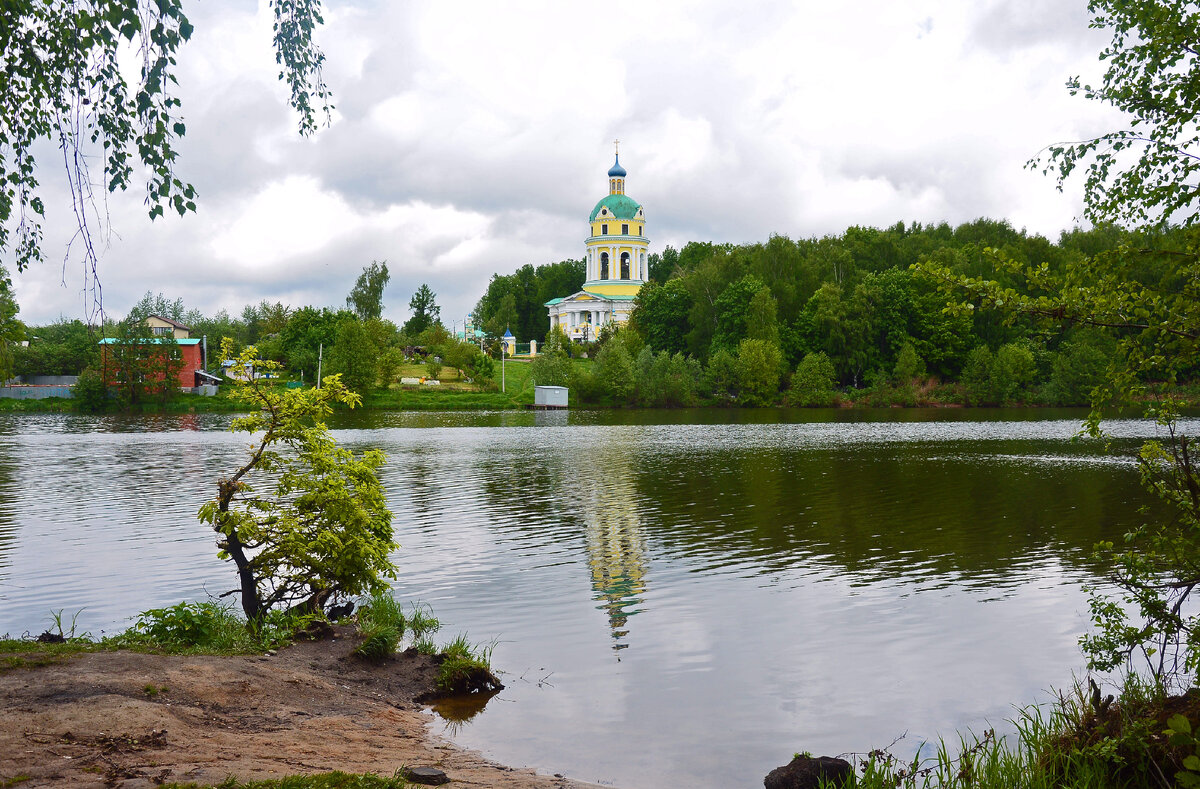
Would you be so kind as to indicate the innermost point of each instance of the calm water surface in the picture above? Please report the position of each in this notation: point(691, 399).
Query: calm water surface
point(675, 598)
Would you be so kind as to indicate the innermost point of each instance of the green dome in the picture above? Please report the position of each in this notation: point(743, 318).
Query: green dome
point(619, 206)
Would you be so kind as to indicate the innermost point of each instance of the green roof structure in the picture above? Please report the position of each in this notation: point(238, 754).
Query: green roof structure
point(620, 206)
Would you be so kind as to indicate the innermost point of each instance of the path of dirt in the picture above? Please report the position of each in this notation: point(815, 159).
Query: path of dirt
point(131, 720)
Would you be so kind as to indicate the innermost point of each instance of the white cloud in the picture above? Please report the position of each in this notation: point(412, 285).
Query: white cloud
point(471, 138)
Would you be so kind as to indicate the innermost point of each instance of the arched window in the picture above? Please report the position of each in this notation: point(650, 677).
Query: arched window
point(603, 265)
point(624, 265)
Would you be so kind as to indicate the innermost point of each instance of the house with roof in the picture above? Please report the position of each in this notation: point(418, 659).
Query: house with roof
point(615, 263)
point(165, 327)
point(168, 339)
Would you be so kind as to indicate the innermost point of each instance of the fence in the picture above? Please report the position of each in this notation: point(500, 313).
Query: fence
point(34, 392)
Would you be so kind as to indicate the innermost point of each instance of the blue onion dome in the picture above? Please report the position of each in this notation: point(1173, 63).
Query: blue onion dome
point(617, 171)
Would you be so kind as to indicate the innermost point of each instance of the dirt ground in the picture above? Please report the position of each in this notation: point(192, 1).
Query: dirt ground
point(128, 719)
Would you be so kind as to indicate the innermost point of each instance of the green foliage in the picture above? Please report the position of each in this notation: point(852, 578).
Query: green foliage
point(433, 366)
point(1148, 172)
point(366, 297)
point(732, 310)
point(1146, 293)
point(758, 370)
point(762, 317)
point(813, 381)
point(1179, 733)
point(421, 621)
point(321, 526)
point(381, 610)
point(425, 311)
point(1079, 742)
point(1012, 372)
point(207, 628)
point(389, 366)
point(552, 367)
point(997, 379)
point(305, 331)
point(466, 668)
point(614, 371)
point(660, 315)
point(89, 392)
point(65, 74)
point(354, 356)
point(60, 348)
point(722, 376)
point(191, 624)
point(379, 643)
point(908, 365)
point(664, 380)
point(1078, 368)
point(517, 301)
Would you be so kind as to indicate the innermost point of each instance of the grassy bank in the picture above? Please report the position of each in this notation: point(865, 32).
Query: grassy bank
point(455, 394)
point(209, 628)
point(1142, 737)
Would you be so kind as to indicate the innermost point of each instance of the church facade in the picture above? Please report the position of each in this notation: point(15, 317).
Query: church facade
point(615, 261)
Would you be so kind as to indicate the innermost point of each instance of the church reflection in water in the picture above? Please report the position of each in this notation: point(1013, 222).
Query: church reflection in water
point(615, 543)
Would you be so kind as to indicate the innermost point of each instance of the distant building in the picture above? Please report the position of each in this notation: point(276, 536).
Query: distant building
point(616, 264)
point(187, 351)
point(165, 327)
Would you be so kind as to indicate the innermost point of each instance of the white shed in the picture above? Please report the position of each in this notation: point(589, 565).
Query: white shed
point(550, 397)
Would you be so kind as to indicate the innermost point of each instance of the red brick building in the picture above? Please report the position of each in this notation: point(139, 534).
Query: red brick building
point(189, 352)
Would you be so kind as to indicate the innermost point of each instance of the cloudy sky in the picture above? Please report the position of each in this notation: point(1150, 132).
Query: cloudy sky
point(471, 138)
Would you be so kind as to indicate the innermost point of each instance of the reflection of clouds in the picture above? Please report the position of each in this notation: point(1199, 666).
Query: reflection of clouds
point(8, 491)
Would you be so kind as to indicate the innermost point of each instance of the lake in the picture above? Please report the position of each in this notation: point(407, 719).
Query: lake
point(673, 597)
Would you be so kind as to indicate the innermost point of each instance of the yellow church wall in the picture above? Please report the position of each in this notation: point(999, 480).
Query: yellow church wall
point(614, 227)
point(614, 288)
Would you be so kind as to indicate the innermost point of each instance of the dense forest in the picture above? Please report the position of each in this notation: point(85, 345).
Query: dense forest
point(857, 307)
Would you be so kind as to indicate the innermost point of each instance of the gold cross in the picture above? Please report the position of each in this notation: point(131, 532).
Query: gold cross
point(617, 145)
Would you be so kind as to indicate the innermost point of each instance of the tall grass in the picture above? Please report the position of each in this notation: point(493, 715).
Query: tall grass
point(1079, 741)
point(208, 628)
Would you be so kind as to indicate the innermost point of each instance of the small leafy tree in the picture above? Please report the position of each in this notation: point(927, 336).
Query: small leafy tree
point(366, 297)
point(552, 367)
point(354, 356)
point(1012, 372)
point(614, 369)
point(425, 311)
point(302, 519)
point(813, 381)
point(909, 365)
point(758, 363)
point(90, 392)
point(11, 329)
point(721, 375)
point(389, 366)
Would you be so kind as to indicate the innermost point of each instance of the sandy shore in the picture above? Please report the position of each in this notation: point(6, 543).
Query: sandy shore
point(129, 719)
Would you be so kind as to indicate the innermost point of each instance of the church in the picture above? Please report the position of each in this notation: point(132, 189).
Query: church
point(615, 263)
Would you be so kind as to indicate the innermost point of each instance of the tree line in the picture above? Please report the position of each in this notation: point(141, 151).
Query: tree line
point(857, 316)
point(353, 341)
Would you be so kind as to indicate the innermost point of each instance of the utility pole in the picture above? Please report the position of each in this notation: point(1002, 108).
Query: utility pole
point(320, 353)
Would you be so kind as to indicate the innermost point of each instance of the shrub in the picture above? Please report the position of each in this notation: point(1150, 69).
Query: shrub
point(89, 392)
point(812, 383)
point(758, 366)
